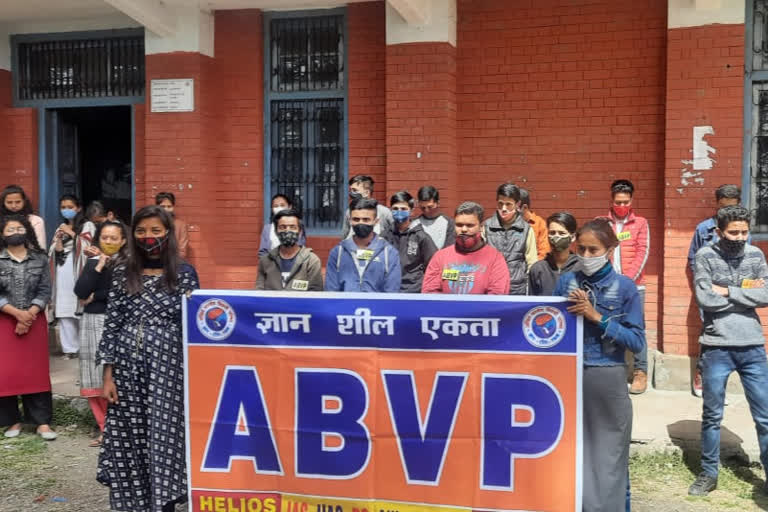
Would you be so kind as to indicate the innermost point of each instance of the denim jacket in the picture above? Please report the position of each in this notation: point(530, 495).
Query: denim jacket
point(26, 283)
point(616, 298)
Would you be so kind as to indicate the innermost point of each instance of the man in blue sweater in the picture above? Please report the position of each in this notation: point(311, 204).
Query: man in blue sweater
point(729, 281)
point(365, 262)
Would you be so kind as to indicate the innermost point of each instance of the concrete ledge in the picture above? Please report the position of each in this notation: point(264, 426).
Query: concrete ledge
point(675, 373)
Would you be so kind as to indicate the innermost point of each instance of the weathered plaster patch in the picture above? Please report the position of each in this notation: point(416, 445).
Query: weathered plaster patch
point(702, 160)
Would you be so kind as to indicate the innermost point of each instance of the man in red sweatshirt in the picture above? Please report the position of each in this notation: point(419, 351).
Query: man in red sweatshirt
point(629, 259)
point(470, 266)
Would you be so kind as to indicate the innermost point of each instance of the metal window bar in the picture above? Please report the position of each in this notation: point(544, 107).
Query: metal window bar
point(306, 158)
point(83, 68)
point(307, 54)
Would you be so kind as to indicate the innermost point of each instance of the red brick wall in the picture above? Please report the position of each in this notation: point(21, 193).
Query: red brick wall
point(176, 156)
point(421, 118)
point(5, 128)
point(18, 142)
point(705, 85)
point(563, 98)
point(239, 86)
point(367, 76)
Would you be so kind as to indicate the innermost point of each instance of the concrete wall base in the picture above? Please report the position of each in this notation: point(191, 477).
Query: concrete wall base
point(675, 373)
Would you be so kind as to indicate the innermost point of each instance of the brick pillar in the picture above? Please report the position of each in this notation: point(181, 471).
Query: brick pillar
point(705, 83)
point(177, 156)
point(421, 104)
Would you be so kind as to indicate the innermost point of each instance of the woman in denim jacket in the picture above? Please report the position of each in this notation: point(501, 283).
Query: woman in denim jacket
point(613, 322)
point(25, 289)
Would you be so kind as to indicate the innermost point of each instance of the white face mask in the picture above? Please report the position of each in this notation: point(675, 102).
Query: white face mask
point(275, 211)
point(591, 265)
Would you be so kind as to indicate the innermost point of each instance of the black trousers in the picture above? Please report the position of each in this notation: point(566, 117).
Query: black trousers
point(38, 409)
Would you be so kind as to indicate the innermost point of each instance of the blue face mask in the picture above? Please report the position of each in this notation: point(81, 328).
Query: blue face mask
point(68, 213)
point(400, 216)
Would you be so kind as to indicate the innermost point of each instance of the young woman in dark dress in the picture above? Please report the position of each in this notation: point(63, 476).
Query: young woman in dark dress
point(142, 459)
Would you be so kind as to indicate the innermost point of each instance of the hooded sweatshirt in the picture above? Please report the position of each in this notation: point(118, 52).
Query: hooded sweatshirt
point(731, 321)
point(416, 248)
point(373, 269)
point(544, 274)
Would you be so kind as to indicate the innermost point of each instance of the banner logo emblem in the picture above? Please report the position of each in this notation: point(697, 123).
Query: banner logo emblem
point(544, 326)
point(216, 319)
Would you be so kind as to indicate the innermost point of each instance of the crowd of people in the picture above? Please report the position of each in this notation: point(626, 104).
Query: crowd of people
point(115, 292)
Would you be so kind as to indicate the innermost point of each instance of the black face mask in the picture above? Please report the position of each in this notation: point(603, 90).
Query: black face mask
point(732, 247)
point(14, 240)
point(288, 238)
point(354, 196)
point(362, 230)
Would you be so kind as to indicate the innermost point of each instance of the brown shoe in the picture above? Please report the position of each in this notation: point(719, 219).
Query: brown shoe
point(639, 383)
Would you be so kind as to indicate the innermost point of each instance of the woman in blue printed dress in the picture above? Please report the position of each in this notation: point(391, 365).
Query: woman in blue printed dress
point(142, 459)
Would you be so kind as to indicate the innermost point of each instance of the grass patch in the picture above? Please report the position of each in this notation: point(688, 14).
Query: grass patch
point(65, 415)
point(739, 485)
point(21, 461)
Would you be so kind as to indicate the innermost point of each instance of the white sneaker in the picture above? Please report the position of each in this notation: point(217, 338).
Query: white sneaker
point(10, 434)
point(48, 435)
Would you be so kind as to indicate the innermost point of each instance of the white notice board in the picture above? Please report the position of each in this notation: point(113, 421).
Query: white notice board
point(173, 95)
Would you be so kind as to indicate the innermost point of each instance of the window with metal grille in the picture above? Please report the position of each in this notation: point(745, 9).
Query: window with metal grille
point(306, 155)
point(80, 68)
point(306, 160)
point(307, 54)
point(755, 173)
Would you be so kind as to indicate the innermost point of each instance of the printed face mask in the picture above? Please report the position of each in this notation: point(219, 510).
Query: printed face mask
point(591, 265)
point(288, 238)
point(560, 242)
point(466, 242)
point(153, 246)
point(362, 230)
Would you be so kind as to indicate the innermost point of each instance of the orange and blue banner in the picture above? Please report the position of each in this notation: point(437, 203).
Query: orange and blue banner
point(326, 402)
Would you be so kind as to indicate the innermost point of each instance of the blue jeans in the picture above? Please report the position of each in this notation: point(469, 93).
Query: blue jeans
point(641, 358)
point(717, 364)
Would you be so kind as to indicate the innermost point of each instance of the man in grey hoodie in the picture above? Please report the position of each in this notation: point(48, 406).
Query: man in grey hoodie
point(730, 283)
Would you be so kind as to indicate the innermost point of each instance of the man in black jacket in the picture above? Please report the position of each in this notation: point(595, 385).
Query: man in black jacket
point(415, 246)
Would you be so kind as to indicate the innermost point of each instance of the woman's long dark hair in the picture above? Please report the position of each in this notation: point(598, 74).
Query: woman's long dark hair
point(169, 255)
point(30, 242)
point(122, 255)
point(15, 189)
point(79, 220)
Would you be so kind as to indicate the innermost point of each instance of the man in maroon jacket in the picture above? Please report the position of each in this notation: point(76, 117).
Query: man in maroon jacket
point(470, 266)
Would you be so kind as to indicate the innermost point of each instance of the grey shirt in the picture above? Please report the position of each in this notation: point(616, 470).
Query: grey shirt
point(441, 229)
point(731, 320)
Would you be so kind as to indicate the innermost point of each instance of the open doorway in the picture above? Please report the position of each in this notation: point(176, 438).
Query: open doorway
point(93, 156)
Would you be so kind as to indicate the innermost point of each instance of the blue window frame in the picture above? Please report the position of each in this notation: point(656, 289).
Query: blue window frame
point(305, 115)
